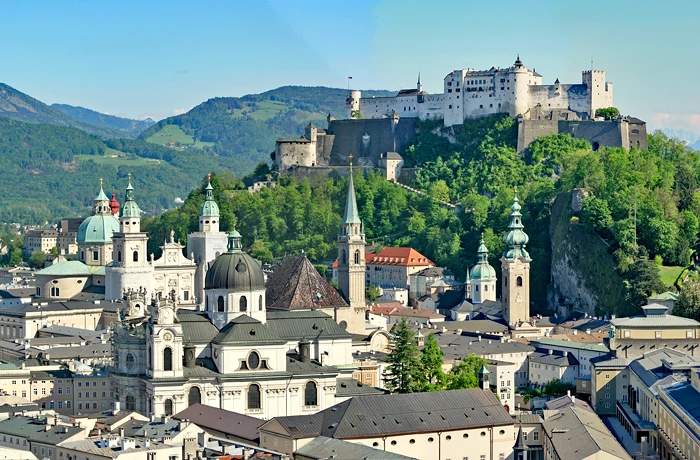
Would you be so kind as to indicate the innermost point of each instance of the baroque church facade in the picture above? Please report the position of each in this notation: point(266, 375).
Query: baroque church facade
point(275, 349)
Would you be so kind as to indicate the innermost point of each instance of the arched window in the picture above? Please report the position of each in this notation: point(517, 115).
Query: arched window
point(260, 305)
point(168, 359)
point(486, 287)
point(130, 403)
point(519, 281)
point(136, 256)
point(119, 256)
point(476, 288)
point(357, 257)
point(243, 303)
point(344, 257)
point(254, 396)
point(55, 292)
point(220, 303)
point(194, 396)
point(168, 407)
point(310, 394)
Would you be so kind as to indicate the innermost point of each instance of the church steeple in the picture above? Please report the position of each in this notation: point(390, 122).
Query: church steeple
point(419, 85)
point(351, 263)
point(130, 212)
point(515, 268)
point(482, 277)
point(101, 205)
point(209, 211)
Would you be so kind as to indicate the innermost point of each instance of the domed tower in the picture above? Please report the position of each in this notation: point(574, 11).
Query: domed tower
point(234, 285)
point(130, 269)
point(94, 236)
point(207, 244)
point(515, 267)
point(482, 277)
point(114, 204)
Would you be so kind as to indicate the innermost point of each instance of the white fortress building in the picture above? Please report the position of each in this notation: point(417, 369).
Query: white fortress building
point(470, 93)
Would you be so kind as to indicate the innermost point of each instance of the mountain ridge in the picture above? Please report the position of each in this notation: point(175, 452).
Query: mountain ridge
point(82, 114)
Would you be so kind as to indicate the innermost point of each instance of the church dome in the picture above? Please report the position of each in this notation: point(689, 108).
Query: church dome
point(235, 270)
point(482, 271)
point(209, 208)
point(98, 229)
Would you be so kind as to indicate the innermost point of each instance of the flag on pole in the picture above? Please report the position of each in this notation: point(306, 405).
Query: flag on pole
point(349, 78)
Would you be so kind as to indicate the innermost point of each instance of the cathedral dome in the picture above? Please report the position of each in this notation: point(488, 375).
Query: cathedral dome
point(482, 271)
point(209, 208)
point(98, 229)
point(235, 270)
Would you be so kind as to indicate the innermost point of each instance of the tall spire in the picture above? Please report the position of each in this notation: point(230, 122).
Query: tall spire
point(209, 208)
point(515, 238)
point(352, 216)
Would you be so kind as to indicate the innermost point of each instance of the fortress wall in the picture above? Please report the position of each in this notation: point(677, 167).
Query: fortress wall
point(294, 153)
point(529, 130)
point(598, 133)
point(348, 139)
point(377, 107)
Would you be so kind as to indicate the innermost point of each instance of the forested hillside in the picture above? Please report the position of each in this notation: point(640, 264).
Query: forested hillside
point(247, 127)
point(481, 171)
point(128, 127)
point(19, 106)
point(51, 172)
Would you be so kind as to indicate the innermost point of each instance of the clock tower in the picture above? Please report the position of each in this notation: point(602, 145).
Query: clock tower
point(515, 268)
point(164, 343)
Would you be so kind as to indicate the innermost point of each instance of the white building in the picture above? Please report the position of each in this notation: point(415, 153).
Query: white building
point(470, 93)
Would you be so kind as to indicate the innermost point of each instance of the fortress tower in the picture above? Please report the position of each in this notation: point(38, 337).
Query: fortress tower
point(515, 267)
point(600, 92)
point(521, 98)
point(353, 102)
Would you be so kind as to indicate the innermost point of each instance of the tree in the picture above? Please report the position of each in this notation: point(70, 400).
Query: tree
point(466, 373)
point(404, 363)
point(685, 186)
point(37, 259)
point(688, 304)
point(356, 114)
point(15, 257)
point(372, 293)
point(643, 280)
point(432, 358)
point(595, 214)
point(608, 113)
point(556, 387)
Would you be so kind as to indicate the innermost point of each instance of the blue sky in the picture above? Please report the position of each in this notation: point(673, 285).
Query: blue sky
point(159, 58)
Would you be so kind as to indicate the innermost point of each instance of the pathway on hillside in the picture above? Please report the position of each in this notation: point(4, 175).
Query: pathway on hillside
point(455, 208)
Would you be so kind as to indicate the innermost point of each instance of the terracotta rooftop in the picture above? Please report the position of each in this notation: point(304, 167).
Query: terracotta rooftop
point(296, 285)
point(396, 309)
point(405, 257)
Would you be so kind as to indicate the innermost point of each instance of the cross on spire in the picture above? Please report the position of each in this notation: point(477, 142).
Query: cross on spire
point(209, 177)
point(100, 182)
point(350, 157)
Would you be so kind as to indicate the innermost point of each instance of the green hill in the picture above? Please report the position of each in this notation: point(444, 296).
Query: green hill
point(128, 127)
point(52, 172)
point(248, 126)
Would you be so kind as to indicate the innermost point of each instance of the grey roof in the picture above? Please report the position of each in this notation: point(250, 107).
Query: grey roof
point(92, 350)
point(393, 156)
point(653, 318)
point(246, 330)
point(196, 327)
point(478, 326)
point(67, 331)
point(67, 305)
point(235, 271)
point(300, 426)
point(579, 433)
point(601, 362)
point(304, 324)
point(230, 423)
point(565, 401)
point(599, 347)
point(433, 272)
point(686, 397)
point(323, 448)
point(556, 358)
point(527, 418)
point(657, 364)
point(113, 418)
point(92, 446)
point(297, 285)
point(461, 345)
point(346, 387)
point(34, 429)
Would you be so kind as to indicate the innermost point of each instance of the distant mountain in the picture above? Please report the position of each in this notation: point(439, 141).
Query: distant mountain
point(131, 127)
point(247, 127)
point(684, 135)
point(19, 106)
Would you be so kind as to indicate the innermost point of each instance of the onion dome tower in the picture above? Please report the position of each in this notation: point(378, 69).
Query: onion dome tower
point(234, 285)
point(94, 236)
point(515, 266)
point(114, 204)
point(482, 277)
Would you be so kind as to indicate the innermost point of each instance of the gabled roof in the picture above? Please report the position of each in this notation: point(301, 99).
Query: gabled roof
point(323, 448)
point(304, 324)
point(196, 328)
point(398, 256)
point(231, 423)
point(246, 330)
point(555, 358)
point(297, 285)
point(396, 309)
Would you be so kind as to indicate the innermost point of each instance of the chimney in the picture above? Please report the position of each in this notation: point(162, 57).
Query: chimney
point(503, 339)
point(645, 446)
point(165, 419)
point(117, 407)
point(566, 353)
point(153, 417)
point(550, 351)
point(479, 337)
point(459, 331)
point(121, 432)
point(613, 316)
point(182, 425)
point(588, 331)
point(305, 350)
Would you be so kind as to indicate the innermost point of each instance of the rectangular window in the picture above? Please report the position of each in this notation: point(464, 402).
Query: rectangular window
point(60, 390)
point(43, 391)
point(60, 404)
point(68, 390)
point(80, 406)
point(658, 334)
point(95, 255)
point(68, 404)
point(535, 435)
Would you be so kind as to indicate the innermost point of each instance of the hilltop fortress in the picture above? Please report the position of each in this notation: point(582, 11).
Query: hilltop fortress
point(378, 126)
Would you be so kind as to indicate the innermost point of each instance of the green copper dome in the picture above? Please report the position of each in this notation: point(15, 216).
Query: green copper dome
point(516, 238)
point(209, 208)
point(98, 229)
point(130, 208)
point(482, 271)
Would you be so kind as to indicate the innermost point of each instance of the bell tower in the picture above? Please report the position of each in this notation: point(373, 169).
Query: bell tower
point(515, 266)
point(351, 264)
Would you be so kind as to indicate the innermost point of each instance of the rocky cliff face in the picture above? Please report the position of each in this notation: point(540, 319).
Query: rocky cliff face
point(583, 270)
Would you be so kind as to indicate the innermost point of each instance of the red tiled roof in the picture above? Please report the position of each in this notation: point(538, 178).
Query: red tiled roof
point(406, 257)
point(396, 309)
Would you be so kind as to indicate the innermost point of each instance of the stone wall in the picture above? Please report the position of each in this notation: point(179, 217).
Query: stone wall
point(616, 133)
point(367, 139)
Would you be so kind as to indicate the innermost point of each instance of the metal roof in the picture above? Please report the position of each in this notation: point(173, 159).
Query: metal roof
point(304, 324)
point(599, 347)
point(555, 358)
point(34, 429)
point(246, 330)
point(347, 387)
point(231, 423)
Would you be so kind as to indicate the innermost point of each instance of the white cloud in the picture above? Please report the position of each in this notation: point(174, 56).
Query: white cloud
point(180, 111)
